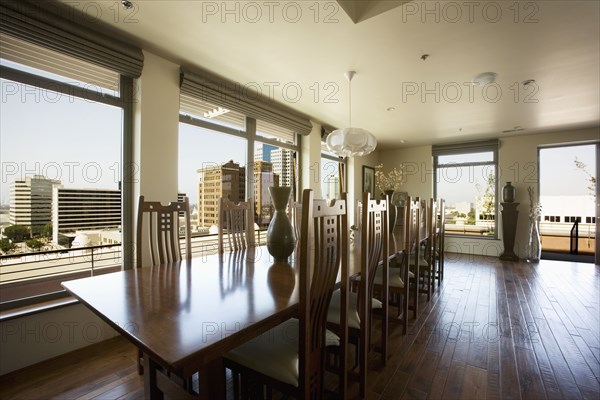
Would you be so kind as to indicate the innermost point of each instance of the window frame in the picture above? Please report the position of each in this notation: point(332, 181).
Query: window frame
point(339, 160)
point(249, 133)
point(122, 101)
point(469, 148)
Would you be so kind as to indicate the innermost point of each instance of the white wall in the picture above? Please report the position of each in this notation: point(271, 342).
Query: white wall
point(156, 129)
point(418, 169)
point(29, 340)
point(310, 148)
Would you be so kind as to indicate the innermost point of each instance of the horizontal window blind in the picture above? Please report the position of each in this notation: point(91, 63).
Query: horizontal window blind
point(45, 24)
point(268, 130)
point(467, 147)
point(31, 55)
point(233, 96)
point(201, 109)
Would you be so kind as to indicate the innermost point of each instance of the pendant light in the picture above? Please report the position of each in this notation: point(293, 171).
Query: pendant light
point(351, 142)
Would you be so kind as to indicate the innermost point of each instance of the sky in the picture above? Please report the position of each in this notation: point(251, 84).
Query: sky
point(558, 173)
point(58, 136)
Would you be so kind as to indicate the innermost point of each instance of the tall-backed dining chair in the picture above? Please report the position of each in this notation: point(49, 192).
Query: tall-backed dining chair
point(162, 236)
point(427, 259)
point(439, 248)
point(164, 229)
point(236, 221)
point(400, 275)
point(416, 262)
point(412, 252)
point(290, 357)
point(374, 244)
point(295, 216)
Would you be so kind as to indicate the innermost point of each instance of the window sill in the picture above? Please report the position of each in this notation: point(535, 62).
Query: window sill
point(31, 309)
point(478, 237)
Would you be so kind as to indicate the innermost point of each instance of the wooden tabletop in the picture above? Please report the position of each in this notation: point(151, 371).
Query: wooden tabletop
point(186, 314)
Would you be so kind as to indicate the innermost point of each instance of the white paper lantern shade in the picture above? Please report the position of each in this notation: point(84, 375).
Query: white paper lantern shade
point(351, 142)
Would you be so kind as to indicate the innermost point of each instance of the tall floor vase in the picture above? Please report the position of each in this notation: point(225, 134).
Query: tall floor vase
point(533, 249)
point(281, 239)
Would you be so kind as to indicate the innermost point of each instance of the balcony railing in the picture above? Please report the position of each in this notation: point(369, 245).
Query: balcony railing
point(39, 273)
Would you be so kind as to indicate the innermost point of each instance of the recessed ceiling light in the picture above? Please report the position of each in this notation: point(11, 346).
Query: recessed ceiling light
point(391, 109)
point(424, 57)
point(126, 4)
point(485, 78)
point(528, 82)
point(402, 141)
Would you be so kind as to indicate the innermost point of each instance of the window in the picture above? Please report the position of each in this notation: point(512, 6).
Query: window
point(61, 135)
point(211, 166)
point(552, 218)
point(332, 183)
point(213, 163)
point(466, 177)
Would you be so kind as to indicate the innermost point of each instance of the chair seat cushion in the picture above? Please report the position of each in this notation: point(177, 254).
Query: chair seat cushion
point(422, 262)
point(275, 352)
point(334, 311)
point(394, 280)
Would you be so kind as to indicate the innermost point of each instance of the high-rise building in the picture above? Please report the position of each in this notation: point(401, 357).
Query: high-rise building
point(263, 152)
point(31, 201)
point(229, 181)
point(81, 209)
point(214, 182)
point(282, 160)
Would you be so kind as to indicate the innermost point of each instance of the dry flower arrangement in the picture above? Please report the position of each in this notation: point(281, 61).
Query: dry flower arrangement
point(393, 180)
point(535, 208)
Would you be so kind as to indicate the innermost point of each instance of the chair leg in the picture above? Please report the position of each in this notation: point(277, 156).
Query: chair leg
point(140, 360)
point(415, 296)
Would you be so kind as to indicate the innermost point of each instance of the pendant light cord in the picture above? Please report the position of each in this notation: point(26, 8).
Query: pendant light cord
point(350, 103)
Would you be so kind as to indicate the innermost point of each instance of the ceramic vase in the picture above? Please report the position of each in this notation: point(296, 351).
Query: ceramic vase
point(508, 193)
point(281, 239)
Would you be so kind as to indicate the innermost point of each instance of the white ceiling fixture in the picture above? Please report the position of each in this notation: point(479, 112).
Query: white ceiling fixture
point(351, 142)
point(485, 78)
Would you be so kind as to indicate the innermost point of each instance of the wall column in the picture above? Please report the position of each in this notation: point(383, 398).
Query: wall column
point(310, 146)
point(156, 130)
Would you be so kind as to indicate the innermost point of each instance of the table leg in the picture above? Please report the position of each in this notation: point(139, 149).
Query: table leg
point(211, 380)
point(151, 391)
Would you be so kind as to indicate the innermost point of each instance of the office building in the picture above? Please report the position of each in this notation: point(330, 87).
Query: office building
point(31, 201)
point(214, 182)
point(84, 209)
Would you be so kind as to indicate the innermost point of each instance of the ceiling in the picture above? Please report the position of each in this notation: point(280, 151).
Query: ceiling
point(300, 50)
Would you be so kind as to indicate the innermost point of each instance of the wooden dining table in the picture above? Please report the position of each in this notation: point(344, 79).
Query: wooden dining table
point(184, 316)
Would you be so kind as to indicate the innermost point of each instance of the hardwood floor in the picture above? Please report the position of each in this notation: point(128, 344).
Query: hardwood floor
point(495, 330)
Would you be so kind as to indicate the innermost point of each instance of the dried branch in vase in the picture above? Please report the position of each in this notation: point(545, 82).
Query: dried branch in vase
point(535, 207)
point(393, 180)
